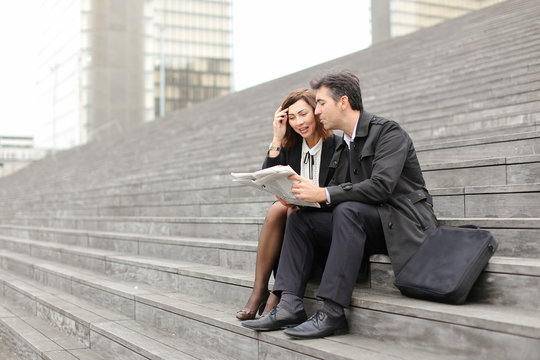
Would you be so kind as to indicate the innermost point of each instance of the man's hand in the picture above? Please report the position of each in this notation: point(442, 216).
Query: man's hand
point(307, 190)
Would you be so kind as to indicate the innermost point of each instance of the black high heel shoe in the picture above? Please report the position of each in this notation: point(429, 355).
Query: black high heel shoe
point(248, 314)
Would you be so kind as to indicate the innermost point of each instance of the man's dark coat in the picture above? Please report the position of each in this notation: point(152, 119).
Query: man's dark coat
point(384, 171)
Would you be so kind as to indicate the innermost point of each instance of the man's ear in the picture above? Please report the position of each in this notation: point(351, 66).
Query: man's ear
point(343, 102)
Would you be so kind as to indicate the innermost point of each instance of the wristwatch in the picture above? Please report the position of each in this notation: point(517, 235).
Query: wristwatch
point(272, 147)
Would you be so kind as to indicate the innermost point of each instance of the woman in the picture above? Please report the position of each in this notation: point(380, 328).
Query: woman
point(301, 142)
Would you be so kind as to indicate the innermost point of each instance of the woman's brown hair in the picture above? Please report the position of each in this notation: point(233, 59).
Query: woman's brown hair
point(291, 137)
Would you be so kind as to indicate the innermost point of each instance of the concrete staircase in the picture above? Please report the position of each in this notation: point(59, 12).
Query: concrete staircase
point(141, 247)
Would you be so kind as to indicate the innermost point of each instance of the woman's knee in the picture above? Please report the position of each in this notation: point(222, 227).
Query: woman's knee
point(277, 213)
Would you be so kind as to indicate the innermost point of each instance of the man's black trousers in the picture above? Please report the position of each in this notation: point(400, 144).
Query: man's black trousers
point(347, 232)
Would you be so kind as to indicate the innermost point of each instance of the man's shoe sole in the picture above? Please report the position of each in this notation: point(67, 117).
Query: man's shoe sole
point(335, 332)
point(272, 329)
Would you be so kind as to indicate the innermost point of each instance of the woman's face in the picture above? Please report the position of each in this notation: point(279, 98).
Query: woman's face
point(302, 120)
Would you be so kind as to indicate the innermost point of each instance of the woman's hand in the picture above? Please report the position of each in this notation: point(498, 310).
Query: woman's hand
point(280, 121)
point(291, 207)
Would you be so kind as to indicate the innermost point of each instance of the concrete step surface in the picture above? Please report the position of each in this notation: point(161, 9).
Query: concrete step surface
point(219, 195)
point(147, 234)
point(514, 144)
point(152, 306)
point(171, 178)
point(58, 317)
point(31, 337)
point(498, 201)
point(502, 283)
point(517, 236)
point(204, 324)
point(493, 201)
point(495, 184)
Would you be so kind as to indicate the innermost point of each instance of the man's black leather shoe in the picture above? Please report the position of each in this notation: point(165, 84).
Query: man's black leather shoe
point(319, 325)
point(277, 318)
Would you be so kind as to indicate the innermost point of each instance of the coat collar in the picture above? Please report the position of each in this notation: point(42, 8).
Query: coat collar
point(362, 128)
point(363, 124)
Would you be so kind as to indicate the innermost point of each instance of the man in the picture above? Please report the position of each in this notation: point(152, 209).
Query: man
point(377, 201)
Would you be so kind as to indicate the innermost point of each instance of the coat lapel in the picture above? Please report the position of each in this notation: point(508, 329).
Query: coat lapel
point(327, 153)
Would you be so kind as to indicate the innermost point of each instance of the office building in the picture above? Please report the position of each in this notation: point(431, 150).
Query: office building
point(109, 65)
point(16, 152)
point(392, 18)
point(194, 42)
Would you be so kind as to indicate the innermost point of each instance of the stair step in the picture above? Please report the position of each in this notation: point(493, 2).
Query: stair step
point(477, 148)
point(222, 199)
point(227, 253)
point(521, 328)
point(483, 172)
point(514, 144)
point(517, 236)
point(33, 337)
point(175, 184)
point(192, 327)
point(502, 279)
point(119, 336)
point(516, 325)
point(494, 201)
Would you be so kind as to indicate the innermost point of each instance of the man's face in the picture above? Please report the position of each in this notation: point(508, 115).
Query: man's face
point(327, 109)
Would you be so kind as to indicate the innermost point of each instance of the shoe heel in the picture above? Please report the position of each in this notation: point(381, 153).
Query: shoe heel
point(261, 308)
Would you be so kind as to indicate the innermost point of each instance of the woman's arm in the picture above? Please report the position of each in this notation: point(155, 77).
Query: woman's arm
point(275, 154)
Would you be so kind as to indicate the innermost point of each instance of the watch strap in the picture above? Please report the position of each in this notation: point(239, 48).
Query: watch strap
point(272, 147)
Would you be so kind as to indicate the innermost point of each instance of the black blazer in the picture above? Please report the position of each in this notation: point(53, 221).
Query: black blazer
point(292, 157)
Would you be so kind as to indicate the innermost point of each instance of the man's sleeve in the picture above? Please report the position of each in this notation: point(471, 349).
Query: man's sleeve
point(389, 157)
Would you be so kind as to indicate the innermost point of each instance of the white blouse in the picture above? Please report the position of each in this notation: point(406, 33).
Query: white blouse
point(310, 162)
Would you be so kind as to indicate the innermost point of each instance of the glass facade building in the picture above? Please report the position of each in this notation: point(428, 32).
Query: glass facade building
point(108, 65)
point(192, 52)
point(392, 18)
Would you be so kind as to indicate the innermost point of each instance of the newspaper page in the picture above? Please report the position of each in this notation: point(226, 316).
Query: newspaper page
point(275, 181)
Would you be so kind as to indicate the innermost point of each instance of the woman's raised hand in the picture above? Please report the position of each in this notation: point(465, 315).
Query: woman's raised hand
point(280, 121)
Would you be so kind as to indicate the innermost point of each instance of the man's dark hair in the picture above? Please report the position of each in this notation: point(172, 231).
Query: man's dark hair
point(340, 84)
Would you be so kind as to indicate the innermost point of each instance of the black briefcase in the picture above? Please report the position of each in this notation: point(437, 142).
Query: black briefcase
point(447, 264)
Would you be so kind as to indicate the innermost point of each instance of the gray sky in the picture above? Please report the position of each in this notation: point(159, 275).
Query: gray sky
point(271, 39)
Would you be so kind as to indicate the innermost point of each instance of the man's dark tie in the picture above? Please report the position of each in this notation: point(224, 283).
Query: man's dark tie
point(348, 153)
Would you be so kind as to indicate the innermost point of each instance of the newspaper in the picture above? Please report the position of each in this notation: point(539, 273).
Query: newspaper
point(275, 181)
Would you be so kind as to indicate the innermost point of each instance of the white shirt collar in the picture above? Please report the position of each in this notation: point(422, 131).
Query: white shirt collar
point(347, 138)
point(314, 150)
